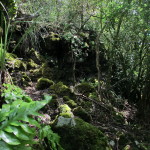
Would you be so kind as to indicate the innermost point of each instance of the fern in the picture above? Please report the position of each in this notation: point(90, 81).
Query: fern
point(16, 121)
point(52, 139)
point(12, 93)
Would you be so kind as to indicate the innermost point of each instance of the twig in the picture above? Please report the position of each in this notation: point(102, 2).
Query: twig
point(92, 100)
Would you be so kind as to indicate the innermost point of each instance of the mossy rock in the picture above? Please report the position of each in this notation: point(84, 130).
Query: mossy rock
point(35, 74)
point(85, 88)
point(65, 111)
point(44, 83)
point(71, 103)
point(31, 64)
point(26, 77)
point(54, 103)
point(80, 112)
point(87, 105)
point(46, 71)
point(24, 82)
point(20, 65)
point(60, 89)
point(36, 57)
point(66, 98)
point(15, 63)
point(82, 136)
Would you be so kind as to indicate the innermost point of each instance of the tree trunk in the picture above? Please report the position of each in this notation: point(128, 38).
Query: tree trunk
point(98, 67)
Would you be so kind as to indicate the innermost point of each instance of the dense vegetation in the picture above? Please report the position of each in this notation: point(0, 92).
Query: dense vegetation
point(90, 62)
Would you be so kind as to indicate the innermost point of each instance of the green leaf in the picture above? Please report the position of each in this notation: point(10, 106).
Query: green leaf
point(8, 129)
point(22, 147)
point(8, 138)
point(16, 123)
point(19, 132)
point(27, 129)
point(4, 146)
point(31, 121)
point(47, 98)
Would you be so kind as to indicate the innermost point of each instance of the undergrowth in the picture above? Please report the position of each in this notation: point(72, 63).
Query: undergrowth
point(18, 126)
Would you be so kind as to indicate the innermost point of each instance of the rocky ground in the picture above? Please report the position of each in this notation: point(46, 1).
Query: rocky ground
point(118, 122)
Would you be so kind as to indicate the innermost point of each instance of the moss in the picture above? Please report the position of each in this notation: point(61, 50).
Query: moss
point(54, 36)
point(26, 77)
point(65, 111)
point(87, 105)
point(15, 63)
point(23, 82)
point(85, 88)
point(65, 108)
point(71, 103)
point(60, 89)
point(46, 71)
point(66, 115)
point(35, 74)
point(10, 56)
point(44, 83)
point(66, 98)
point(31, 64)
point(36, 57)
point(20, 65)
point(83, 136)
point(53, 103)
point(80, 112)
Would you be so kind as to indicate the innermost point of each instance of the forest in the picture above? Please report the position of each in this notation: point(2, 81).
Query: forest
point(74, 75)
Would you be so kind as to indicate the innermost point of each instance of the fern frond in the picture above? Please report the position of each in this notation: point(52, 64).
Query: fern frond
point(16, 119)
